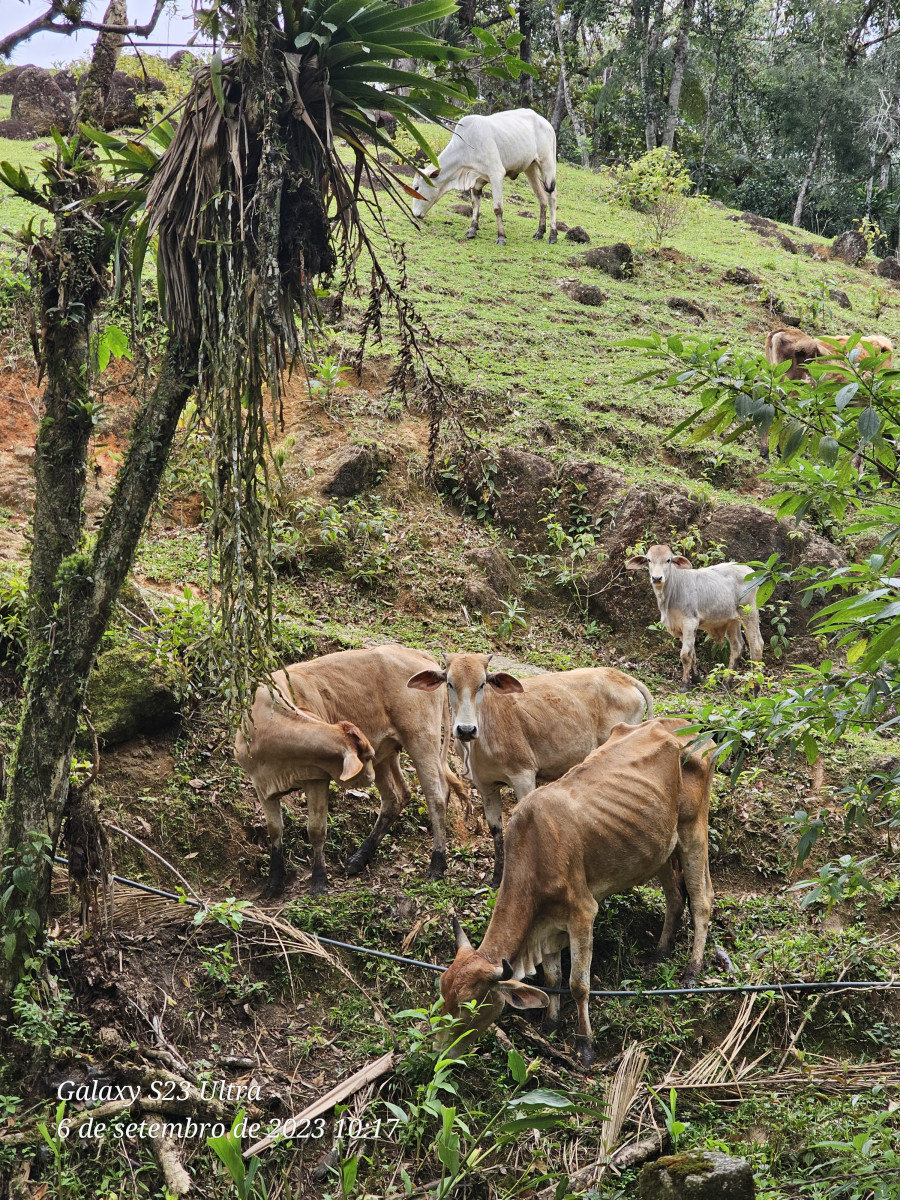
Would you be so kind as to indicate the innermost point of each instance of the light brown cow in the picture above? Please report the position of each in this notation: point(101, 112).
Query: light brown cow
point(631, 811)
point(345, 717)
point(799, 349)
point(521, 732)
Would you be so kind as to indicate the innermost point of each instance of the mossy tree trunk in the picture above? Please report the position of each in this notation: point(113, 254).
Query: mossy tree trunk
point(72, 587)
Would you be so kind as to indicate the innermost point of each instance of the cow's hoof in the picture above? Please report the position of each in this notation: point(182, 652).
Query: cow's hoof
point(552, 238)
point(437, 867)
point(501, 241)
point(539, 236)
point(470, 233)
point(318, 885)
point(689, 979)
point(687, 685)
point(586, 1052)
point(357, 863)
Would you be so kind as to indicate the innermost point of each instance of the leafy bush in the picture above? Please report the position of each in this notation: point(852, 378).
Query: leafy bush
point(655, 187)
point(13, 623)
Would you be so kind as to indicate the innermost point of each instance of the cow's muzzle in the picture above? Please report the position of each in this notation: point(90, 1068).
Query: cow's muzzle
point(656, 580)
point(466, 733)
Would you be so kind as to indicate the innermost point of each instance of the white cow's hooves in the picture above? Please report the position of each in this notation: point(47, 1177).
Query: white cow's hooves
point(470, 233)
point(501, 241)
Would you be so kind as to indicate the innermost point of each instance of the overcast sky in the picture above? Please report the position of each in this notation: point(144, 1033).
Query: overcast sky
point(49, 49)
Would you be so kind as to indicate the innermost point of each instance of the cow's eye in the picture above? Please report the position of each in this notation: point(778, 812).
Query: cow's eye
point(481, 687)
point(450, 686)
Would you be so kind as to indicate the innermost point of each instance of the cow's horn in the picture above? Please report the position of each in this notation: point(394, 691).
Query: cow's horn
point(462, 942)
point(508, 972)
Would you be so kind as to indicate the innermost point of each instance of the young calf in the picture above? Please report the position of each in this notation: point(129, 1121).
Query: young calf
point(715, 599)
point(521, 732)
point(631, 811)
point(344, 718)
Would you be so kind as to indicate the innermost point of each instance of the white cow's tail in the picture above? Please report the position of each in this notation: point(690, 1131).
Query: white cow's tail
point(648, 699)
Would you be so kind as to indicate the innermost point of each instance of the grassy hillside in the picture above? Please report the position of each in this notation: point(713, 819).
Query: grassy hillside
point(532, 371)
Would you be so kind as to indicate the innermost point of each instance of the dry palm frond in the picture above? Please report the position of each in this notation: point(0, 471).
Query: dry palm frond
point(720, 1063)
point(621, 1096)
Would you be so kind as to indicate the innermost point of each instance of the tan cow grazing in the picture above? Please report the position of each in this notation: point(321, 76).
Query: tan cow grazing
point(799, 349)
point(522, 732)
point(344, 718)
point(632, 811)
point(715, 599)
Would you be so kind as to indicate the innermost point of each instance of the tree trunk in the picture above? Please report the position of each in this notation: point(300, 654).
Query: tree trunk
point(95, 85)
point(564, 84)
point(810, 170)
point(526, 28)
point(679, 62)
point(713, 88)
point(71, 590)
point(648, 28)
point(559, 107)
point(81, 605)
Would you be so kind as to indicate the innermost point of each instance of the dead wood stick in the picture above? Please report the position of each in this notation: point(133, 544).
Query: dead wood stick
point(368, 1074)
point(549, 1049)
point(621, 1160)
point(176, 1178)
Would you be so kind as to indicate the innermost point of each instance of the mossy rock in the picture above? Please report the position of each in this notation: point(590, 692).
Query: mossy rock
point(130, 694)
point(697, 1175)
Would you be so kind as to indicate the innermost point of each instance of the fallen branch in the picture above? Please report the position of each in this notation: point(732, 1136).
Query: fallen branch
point(340, 1092)
point(176, 1178)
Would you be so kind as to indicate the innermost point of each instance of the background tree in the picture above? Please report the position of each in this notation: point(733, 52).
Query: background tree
point(243, 232)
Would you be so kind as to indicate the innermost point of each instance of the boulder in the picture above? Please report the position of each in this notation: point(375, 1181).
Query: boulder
point(129, 693)
point(888, 268)
point(850, 247)
point(786, 243)
point(584, 293)
point(40, 103)
point(577, 234)
point(616, 260)
point(501, 576)
point(16, 131)
point(697, 1175)
point(384, 120)
point(8, 78)
point(520, 484)
point(841, 299)
point(742, 277)
point(354, 469)
point(595, 487)
point(183, 58)
point(682, 304)
point(66, 82)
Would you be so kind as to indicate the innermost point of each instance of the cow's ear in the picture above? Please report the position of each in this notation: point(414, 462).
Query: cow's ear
point(682, 563)
point(637, 563)
point(500, 681)
point(427, 681)
point(358, 739)
point(522, 995)
point(352, 765)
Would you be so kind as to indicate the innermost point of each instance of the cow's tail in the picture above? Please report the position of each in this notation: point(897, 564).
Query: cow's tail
point(454, 783)
point(648, 699)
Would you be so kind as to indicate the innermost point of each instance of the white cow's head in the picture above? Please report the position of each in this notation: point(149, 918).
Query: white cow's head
point(426, 184)
point(466, 677)
point(661, 560)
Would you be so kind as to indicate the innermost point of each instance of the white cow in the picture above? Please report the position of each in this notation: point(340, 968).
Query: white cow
point(487, 149)
point(716, 599)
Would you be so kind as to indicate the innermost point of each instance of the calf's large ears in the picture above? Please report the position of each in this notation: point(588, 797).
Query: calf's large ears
point(683, 564)
point(352, 765)
point(500, 681)
point(522, 995)
point(427, 681)
point(637, 563)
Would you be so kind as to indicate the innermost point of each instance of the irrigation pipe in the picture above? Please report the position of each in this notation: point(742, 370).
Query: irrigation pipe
point(825, 985)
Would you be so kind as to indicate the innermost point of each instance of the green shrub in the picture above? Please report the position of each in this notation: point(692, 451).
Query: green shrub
point(655, 187)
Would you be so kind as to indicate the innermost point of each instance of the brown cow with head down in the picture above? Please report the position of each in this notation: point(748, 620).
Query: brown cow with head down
point(636, 808)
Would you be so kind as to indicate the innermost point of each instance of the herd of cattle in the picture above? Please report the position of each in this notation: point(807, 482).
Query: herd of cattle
point(608, 796)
